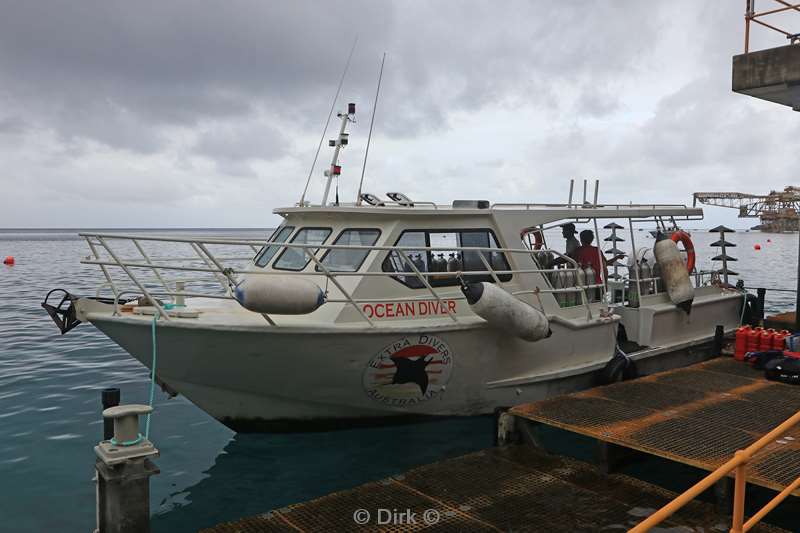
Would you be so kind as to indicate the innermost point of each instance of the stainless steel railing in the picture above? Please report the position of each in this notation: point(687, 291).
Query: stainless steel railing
point(224, 270)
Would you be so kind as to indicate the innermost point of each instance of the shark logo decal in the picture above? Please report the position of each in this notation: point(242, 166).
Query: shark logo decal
point(409, 371)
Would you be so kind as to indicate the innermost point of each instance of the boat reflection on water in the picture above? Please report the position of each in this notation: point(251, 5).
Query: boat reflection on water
point(256, 473)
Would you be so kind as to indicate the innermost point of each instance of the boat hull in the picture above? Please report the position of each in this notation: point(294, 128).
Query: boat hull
point(261, 379)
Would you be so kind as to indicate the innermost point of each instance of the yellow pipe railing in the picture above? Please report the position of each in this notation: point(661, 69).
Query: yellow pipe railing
point(738, 464)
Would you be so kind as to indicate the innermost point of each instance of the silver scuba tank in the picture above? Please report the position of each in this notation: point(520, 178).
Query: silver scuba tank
point(590, 280)
point(659, 283)
point(646, 273)
point(580, 281)
point(439, 263)
point(452, 264)
point(569, 281)
point(557, 279)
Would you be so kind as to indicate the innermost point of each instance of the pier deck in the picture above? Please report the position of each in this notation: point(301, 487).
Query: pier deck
point(697, 415)
point(515, 488)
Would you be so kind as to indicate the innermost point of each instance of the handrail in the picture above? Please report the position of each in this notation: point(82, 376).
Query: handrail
point(206, 262)
point(750, 15)
point(739, 464)
point(210, 264)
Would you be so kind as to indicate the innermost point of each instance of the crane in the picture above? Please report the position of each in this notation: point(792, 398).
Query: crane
point(777, 210)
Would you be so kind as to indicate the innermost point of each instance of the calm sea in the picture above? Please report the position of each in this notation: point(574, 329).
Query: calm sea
point(50, 407)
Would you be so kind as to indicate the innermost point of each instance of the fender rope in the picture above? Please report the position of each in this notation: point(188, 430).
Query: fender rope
point(152, 375)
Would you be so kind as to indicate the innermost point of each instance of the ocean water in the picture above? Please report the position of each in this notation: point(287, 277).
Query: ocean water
point(50, 407)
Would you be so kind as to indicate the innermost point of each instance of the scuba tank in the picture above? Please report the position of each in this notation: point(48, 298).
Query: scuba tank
point(590, 280)
point(590, 274)
point(646, 274)
point(452, 264)
point(580, 281)
point(562, 284)
point(569, 281)
point(439, 263)
point(555, 280)
point(544, 259)
point(659, 284)
point(418, 262)
point(633, 277)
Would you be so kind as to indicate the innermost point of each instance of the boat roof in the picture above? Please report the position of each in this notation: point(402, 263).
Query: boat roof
point(544, 212)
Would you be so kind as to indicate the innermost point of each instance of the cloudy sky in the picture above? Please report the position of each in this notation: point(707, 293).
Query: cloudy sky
point(194, 114)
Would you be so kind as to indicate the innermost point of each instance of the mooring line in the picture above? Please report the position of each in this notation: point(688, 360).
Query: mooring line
point(152, 374)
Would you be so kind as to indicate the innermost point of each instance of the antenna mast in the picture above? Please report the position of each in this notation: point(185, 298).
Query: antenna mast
point(369, 137)
point(327, 122)
point(337, 143)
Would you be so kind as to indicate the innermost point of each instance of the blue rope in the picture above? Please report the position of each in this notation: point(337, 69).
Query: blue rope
point(152, 376)
point(137, 440)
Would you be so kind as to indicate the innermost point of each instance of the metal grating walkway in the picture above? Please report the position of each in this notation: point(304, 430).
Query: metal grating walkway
point(698, 415)
point(502, 489)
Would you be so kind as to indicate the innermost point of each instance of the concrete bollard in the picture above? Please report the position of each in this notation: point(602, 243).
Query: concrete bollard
point(124, 468)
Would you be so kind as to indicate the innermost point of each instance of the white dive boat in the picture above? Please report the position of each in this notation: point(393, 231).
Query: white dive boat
point(381, 310)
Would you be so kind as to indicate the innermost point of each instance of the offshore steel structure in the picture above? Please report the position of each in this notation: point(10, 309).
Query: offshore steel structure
point(778, 210)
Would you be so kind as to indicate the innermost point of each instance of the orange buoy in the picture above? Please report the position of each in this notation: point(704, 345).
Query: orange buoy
point(757, 247)
point(741, 343)
point(9, 260)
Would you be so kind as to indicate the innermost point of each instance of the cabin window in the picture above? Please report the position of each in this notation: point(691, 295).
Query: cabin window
point(297, 258)
point(349, 260)
point(267, 253)
point(448, 259)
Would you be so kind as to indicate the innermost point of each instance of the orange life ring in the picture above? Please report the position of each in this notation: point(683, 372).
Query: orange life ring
point(682, 236)
point(538, 241)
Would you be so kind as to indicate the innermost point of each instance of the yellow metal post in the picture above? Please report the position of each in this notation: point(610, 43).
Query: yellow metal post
point(740, 486)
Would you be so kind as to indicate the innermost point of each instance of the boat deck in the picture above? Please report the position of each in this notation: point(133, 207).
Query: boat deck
point(514, 488)
point(698, 415)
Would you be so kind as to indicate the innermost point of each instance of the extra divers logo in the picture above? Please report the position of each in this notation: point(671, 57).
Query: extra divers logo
point(409, 371)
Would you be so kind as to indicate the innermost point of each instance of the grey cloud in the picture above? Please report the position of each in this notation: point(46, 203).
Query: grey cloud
point(12, 125)
point(179, 62)
point(242, 142)
point(103, 95)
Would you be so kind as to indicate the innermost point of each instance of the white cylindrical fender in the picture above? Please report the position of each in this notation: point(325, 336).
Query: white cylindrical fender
point(280, 295)
point(503, 311)
point(674, 273)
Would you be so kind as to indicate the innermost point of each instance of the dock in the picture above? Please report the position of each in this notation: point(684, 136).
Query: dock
point(512, 488)
point(698, 415)
point(781, 321)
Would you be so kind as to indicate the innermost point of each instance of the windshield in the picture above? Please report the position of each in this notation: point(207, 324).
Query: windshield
point(297, 258)
point(266, 254)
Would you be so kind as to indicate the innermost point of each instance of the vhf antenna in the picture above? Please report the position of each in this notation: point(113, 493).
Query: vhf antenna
point(369, 137)
point(327, 122)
